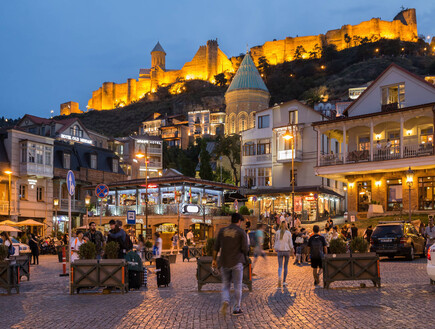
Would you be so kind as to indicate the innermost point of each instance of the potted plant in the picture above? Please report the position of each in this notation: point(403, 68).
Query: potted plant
point(8, 274)
point(205, 274)
point(358, 264)
point(89, 272)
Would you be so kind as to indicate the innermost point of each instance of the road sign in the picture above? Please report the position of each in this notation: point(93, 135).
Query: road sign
point(131, 217)
point(101, 191)
point(70, 182)
point(254, 199)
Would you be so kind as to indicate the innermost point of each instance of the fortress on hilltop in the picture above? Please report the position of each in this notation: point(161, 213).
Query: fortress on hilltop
point(209, 60)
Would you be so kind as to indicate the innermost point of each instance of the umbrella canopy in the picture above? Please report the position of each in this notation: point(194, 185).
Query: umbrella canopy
point(6, 228)
point(30, 222)
point(9, 222)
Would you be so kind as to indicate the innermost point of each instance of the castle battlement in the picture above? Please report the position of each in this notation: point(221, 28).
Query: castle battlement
point(209, 60)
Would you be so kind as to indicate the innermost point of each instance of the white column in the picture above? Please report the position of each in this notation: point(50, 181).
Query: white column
point(319, 145)
point(401, 136)
point(344, 148)
point(371, 140)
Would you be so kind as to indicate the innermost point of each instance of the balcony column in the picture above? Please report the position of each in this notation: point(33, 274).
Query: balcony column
point(401, 136)
point(344, 148)
point(319, 146)
point(371, 140)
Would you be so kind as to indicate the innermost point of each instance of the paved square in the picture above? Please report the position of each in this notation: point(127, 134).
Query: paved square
point(406, 300)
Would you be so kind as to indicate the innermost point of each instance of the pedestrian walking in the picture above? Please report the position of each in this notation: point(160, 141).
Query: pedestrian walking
point(96, 237)
point(317, 249)
point(368, 233)
point(34, 249)
point(175, 240)
point(232, 244)
point(284, 248)
point(141, 246)
point(157, 248)
point(258, 244)
point(189, 236)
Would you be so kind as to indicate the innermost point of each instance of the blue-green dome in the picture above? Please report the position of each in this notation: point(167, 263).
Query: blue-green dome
point(247, 77)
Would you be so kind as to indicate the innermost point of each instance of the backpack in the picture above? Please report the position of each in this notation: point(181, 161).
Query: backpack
point(11, 250)
point(128, 243)
point(316, 247)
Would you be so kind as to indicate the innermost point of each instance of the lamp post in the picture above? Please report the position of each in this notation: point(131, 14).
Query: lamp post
point(87, 203)
point(9, 173)
point(409, 181)
point(177, 201)
point(204, 202)
point(290, 136)
point(140, 156)
point(56, 206)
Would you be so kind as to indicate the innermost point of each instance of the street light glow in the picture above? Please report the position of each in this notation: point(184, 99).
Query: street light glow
point(8, 172)
point(140, 155)
point(288, 135)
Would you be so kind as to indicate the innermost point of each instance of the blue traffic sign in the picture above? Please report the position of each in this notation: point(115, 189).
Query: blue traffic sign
point(101, 191)
point(70, 183)
point(254, 199)
point(131, 217)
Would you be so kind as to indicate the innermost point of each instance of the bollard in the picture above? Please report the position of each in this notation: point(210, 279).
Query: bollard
point(64, 262)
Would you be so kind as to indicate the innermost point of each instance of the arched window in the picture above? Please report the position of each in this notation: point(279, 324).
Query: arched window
point(243, 122)
point(252, 120)
point(232, 124)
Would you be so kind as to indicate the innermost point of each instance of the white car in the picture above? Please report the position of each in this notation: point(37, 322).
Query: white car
point(20, 248)
point(431, 264)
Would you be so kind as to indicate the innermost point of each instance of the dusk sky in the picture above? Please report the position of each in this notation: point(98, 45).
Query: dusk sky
point(60, 50)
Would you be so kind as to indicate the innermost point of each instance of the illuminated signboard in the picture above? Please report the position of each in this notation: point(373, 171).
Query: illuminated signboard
point(190, 208)
point(143, 141)
point(76, 139)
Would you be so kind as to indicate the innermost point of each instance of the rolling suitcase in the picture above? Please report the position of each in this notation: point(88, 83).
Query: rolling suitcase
point(134, 279)
point(163, 272)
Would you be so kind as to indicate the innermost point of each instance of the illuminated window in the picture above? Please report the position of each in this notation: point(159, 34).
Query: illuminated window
point(426, 136)
point(263, 147)
point(394, 94)
point(23, 192)
point(250, 179)
point(249, 148)
point(264, 176)
point(363, 143)
point(243, 122)
point(364, 195)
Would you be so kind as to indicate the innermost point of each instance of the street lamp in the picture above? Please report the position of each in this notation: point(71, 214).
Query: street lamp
point(204, 202)
point(409, 181)
point(177, 201)
point(56, 206)
point(290, 136)
point(9, 173)
point(141, 156)
point(87, 203)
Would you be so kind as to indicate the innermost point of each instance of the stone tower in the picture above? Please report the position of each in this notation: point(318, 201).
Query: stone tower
point(246, 95)
point(211, 58)
point(158, 57)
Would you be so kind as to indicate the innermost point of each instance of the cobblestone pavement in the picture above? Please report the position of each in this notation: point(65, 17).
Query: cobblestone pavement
point(406, 300)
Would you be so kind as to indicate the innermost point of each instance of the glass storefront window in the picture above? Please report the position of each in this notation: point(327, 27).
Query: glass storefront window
point(394, 194)
point(364, 195)
point(426, 136)
point(426, 193)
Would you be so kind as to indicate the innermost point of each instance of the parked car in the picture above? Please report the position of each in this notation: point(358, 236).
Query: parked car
point(397, 238)
point(20, 248)
point(431, 264)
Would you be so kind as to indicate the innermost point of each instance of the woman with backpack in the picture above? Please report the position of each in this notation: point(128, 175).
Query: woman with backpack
point(8, 243)
point(284, 248)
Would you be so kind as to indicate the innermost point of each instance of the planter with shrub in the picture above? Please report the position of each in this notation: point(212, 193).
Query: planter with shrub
point(8, 272)
point(90, 273)
point(358, 264)
point(205, 274)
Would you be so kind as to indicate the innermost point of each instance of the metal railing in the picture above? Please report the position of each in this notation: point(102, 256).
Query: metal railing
point(391, 153)
point(154, 209)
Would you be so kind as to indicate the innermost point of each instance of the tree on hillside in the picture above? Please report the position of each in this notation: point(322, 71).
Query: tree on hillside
point(329, 52)
point(226, 176)
point(315, 52)
point(300, 50)
point(315, 95)
point(205, 170)
point(263, 65)
point(347, 39)
point(220, 79)
point(229, 147)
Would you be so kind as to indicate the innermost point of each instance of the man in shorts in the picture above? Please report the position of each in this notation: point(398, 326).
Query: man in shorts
point(317, 248)
point(259, 241)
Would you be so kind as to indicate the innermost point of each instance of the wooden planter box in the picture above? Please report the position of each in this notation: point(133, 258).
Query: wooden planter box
point(9, 276)
point(351, 267)
point(24, 262)
point(205, 275)
point(93, 273)
point(171, 257)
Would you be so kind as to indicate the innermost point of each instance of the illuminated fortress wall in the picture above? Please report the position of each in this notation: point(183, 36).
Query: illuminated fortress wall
point(209, 60)
point(403, 27)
